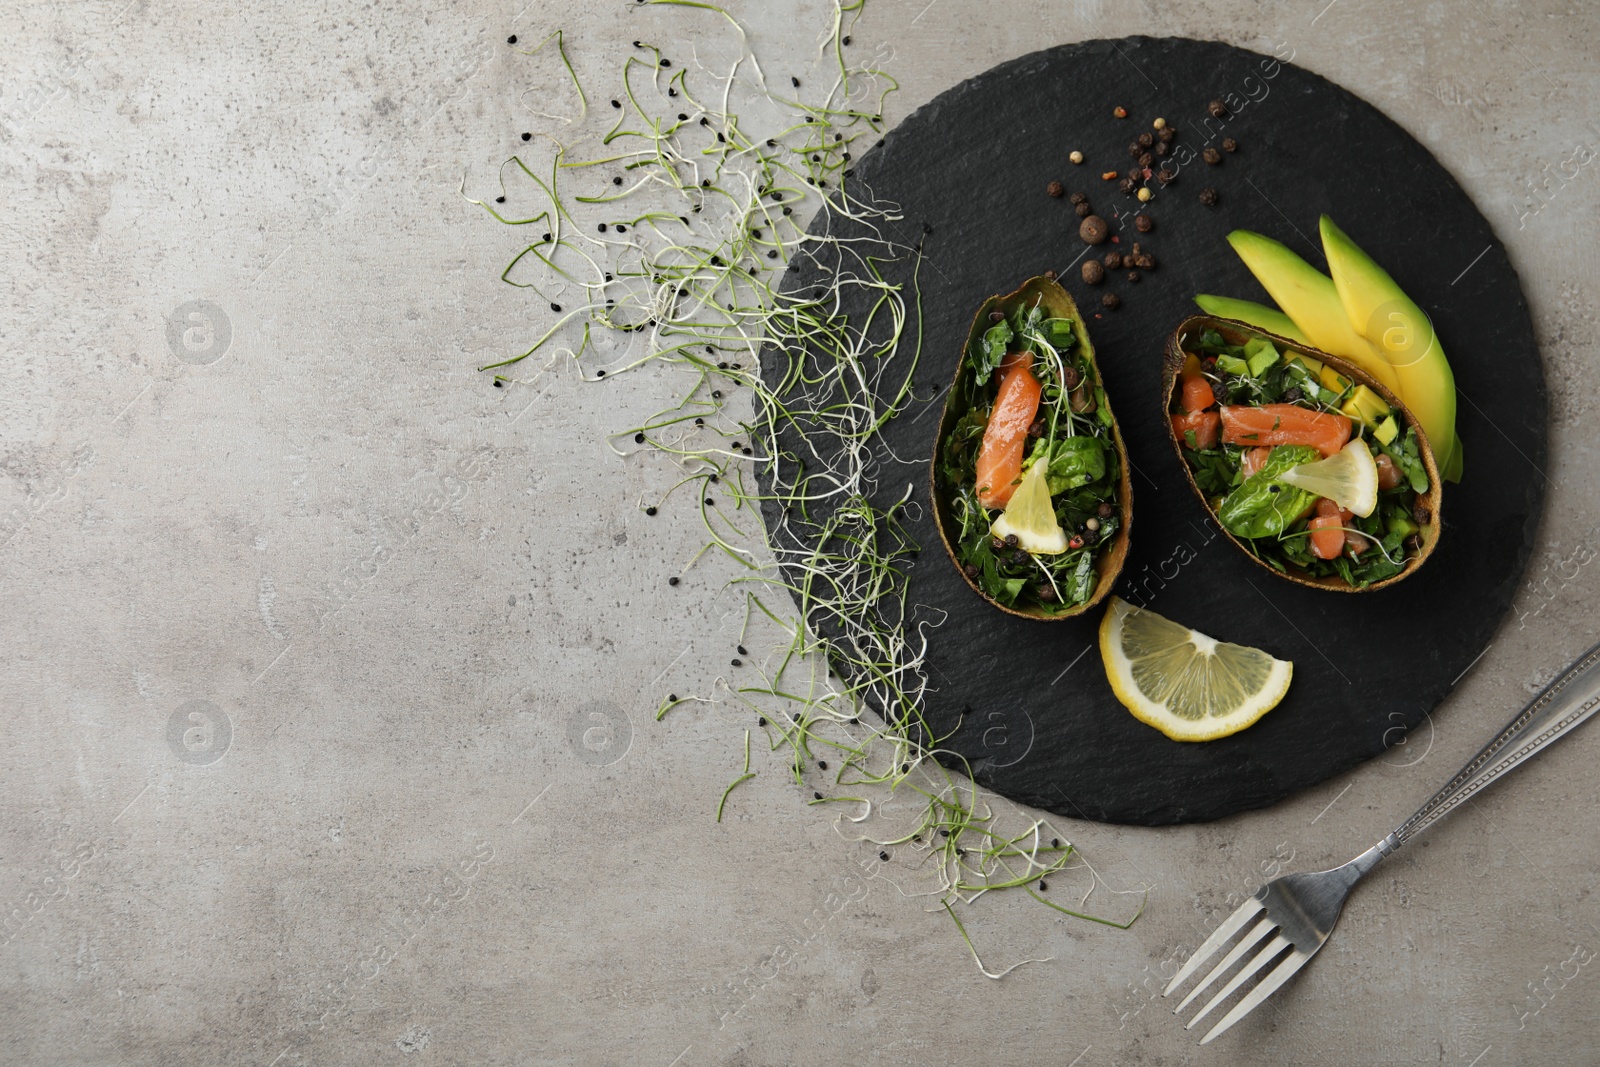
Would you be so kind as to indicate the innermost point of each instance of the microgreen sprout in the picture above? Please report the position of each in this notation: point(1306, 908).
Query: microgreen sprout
point(714, 215)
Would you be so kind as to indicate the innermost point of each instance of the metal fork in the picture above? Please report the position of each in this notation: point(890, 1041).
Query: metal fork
point(1293, 916)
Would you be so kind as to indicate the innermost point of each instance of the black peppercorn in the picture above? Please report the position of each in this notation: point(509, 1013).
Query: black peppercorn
point(1113, 260)
point(1230, 145)
point(1146, 140)
point(1217, 109)
point(1133, 276)
point(1162, 149)
point(996, 545)
point(1166, 177)
point(1093, 230)
point(1421, 513)
point(1111, 301)
point(971, 570)
point(1083, 210)
point(1011, 541)
point(1211, 156)
point(1055, 189)
point(1128, 186)
point(1078, 198)
point(1072, 377)
point(1144, 223)
point(1166, 135)
point(1105, 509)
point(1049, 275)
point(1093, 272)
point(1045, 593)
point(1208, 197)
point(1293, 395)
point(997, 316)
point(1134, 149)
point(1145, 262)
point(1146, 159)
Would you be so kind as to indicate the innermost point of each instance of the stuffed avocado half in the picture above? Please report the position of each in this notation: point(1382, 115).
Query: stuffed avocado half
point(1030, 476)
point(1307, 463)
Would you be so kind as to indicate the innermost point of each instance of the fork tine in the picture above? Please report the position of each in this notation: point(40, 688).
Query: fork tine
point(1268, 985)
point(1230, 926)
point(1250, 941)
point(1264, 957)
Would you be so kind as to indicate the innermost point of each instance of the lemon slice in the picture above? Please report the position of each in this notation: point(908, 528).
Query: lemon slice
point(1029, 515)
point(1189, 686)
point(1349, 478)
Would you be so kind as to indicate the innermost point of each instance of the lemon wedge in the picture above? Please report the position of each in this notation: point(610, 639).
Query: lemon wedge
point(1029, 515)
point(1189, 686)
point(1349, 478)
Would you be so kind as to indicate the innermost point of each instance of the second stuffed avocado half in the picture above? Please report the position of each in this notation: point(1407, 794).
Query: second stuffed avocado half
point(1030, 477)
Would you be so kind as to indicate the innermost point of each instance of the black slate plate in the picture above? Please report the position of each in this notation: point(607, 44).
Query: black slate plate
point(970, 170)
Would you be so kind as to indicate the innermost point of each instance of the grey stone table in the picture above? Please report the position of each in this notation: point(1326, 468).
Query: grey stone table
point(307, 629)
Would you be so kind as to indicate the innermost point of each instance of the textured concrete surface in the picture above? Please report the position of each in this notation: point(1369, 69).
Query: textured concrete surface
point(307, 628)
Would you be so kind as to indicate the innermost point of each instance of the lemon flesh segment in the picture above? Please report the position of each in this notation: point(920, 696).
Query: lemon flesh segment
point(1189, 686)
point(1029, 515)
point(1349, 478)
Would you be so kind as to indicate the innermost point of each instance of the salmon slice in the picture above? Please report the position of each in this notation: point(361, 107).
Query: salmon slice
point(1284, 424)
point(1253, 460)
point(1005, 438)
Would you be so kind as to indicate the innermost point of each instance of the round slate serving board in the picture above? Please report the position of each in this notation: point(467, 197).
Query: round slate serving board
point(969, 172)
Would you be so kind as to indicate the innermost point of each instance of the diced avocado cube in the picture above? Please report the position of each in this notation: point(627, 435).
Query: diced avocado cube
point(1260, 354)
point(1232, 364)
point(1366, 406)
point(1402, 525)
point(1387, 430)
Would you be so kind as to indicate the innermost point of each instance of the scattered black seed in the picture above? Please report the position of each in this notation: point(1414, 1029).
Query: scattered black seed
point(788, 211)
point(845, 39)
point(499, 199)
point(1273, 488)
point(715, 479)
point(822, 764)
point(616, 103)
point(1055, 842)
point(638, 438)
point(617, 180)
point(749, 452)
point(651, 510)
point(742, 651)
point(817, 796)
point(666, 62)
point(794, 81)
point(608, 276)
point(1208, 197)
point(884, 856)
point(1043, 887)
point(738, 663)
point(704, 121)
point(905, 768)
point(699, 422)
point(527, 137)
point(512, 39)
point(599, 374)
point(602, 227)
point(710, 503)
point(672, 697)
point(673, 580)
point(944, 833)
point(705, 183)
point(555, 307)
point(497, 384)
point(772, 254)
point(623, 229)
point(716, 394)
point(721, 139)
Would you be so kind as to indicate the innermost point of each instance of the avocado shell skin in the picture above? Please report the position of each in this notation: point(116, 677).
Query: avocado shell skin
point(1238, 333)
point(1057, 303)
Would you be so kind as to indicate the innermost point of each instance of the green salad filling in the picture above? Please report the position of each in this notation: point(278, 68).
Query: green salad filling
point(1314, 473)
point(1039, 556)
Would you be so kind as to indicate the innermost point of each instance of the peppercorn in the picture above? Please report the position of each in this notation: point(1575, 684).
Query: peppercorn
point(1421, 513)
point(1020, 558)
point(1105, 509)
point(1145, 262)
point(1120, 112)
point(1293, 395)
point(1146, 159)
point(1111, 301)
point(1211, 156)
point(1113, 260)
point(1166, 135)
point(971, 570)
point(1072, 377)
point(997, 316)
point(1208, 197)
point(1077, 542)
point(1091, 523)
point(1093, 230)
point(1162, 149)
point(1093, 272)
point(996, 545)
point(1133, 276)
point(1045, 593)
point(1134, 148)
point(1055, 189)
point(1217, 109)
point(1166, 177)
point(1144, 223)
point(1145, 195)
point(1011, 540)
point(1049, 275)
point(1036, 428)
point(1075, 156)
point(1128, 185)
point(1083, 210)
point(1078, 198)
point(1230, 145)
point(1160, 124)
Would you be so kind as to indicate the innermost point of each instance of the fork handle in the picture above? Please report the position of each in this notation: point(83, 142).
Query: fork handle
point(1564, 704)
